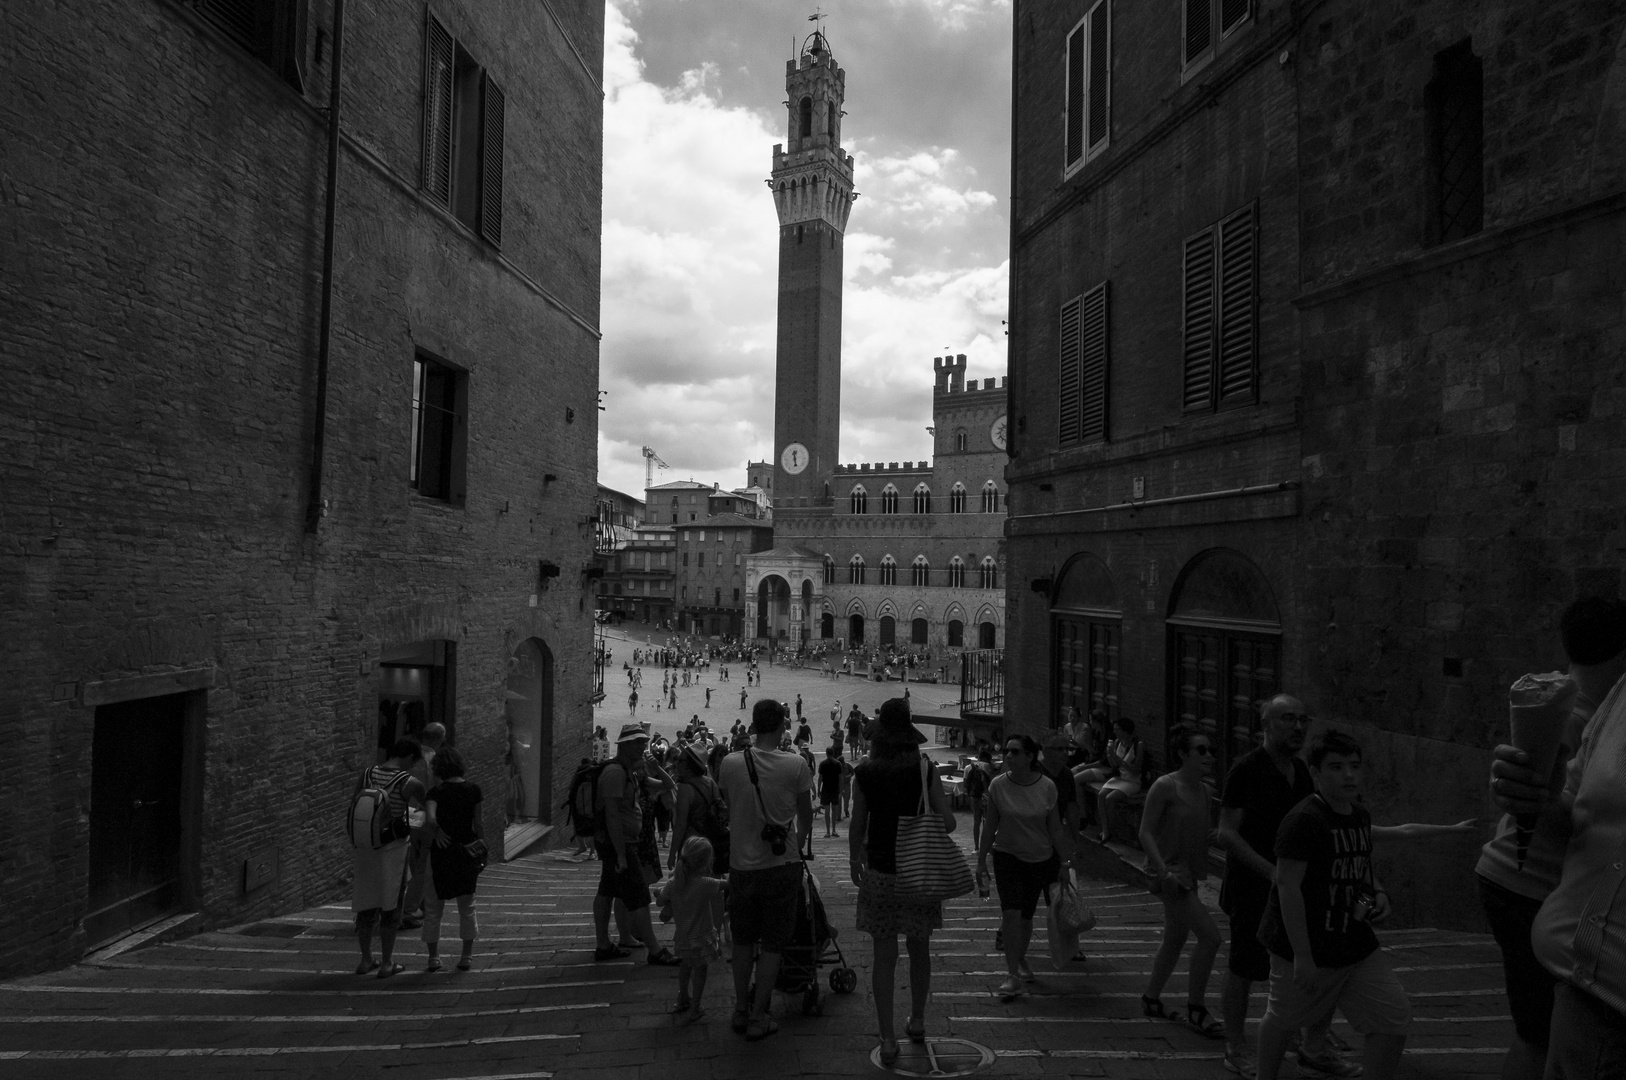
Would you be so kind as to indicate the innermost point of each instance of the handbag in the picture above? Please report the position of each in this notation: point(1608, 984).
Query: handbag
point(477, 851)
point(930, 866)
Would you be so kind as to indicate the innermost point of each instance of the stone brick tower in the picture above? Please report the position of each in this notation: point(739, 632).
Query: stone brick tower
point(813, 192)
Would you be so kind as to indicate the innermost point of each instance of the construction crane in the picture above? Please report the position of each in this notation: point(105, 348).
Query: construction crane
point(652, 461)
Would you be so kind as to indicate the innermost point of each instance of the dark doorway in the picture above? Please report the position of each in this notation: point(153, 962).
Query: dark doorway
point(855, 630)
point(529, 697)
point(985, 635)
point(137, 791)
point(416, 686)
point(917, 632)
point(889, 631)
point(827, 626)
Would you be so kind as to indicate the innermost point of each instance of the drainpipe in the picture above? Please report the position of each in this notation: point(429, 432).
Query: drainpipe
point(317, 506)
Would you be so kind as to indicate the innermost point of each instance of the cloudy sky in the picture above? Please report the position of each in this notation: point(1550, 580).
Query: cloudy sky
point(692, 110)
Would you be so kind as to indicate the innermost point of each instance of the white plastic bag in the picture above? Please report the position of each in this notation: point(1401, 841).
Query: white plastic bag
point(1069, 917)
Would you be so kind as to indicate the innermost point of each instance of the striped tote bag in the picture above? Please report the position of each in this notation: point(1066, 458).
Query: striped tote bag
point(931, 867)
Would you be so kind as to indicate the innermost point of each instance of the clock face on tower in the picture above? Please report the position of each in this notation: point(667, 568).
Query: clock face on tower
point(793, 459)
point(997, 433)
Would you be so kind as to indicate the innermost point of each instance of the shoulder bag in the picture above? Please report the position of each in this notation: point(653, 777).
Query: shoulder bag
point(930, 865)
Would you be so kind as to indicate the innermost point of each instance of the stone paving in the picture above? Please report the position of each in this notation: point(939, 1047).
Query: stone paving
point(278, 998)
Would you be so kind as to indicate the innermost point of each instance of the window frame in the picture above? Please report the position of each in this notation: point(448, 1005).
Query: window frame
point(956, 573)
point(1228, 309)
point(1084, 33)
point(957, 495)
point(920, 572)
point(448, 164)
point(988, 573)
point(1220, 33)
point(889, 570)
point(453, 443)
point(889, 499)
point(855, 570)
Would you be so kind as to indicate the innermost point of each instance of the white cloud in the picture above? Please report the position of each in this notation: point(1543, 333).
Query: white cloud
point(957, 14)
point(690, 269)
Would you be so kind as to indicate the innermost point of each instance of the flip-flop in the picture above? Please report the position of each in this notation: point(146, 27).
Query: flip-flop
point(614, 952)
point(758, 1030)
point(388, 970)
point(465, 963)
point(366, 966)
point(664, 958)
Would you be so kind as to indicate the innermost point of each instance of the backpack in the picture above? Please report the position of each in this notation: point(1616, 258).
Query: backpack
point(581, 805)
point(976, 781)
point(709, 818)
point(371, 823)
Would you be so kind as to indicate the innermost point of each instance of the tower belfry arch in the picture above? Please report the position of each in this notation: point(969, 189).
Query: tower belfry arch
point(812, 185)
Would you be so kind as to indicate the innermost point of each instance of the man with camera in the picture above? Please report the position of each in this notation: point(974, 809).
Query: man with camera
point(770, 813)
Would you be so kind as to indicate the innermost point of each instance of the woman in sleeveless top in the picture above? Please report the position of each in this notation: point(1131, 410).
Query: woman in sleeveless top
point(887, 786)
point(1174, 833)
point(1124, 756)
point(381, 875)
point(697, 793)
point(454, 822)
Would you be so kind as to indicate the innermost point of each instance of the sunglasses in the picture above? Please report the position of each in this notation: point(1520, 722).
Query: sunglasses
point(1203, 750)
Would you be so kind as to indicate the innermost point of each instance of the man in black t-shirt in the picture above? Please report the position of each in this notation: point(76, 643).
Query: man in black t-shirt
point(1317, 924)
point(1259, 791)
point(829, 776)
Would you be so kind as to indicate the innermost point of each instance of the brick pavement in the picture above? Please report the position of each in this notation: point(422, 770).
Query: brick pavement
point(248, 1002)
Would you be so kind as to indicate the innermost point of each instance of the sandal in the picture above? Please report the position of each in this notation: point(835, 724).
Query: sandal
point(614, 952)
point(366, 966)
point(1198, 1020)
point(1009, 990)
point(915, 1029)
point(889, 1053)
point(433, 965)
point(664, 958)
point(1153, 1007)
point(740, 1022)
point(760, 1028)
point(465, 963)
point(389, 969)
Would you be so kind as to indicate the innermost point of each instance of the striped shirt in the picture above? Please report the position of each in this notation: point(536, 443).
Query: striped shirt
point(1580, 934)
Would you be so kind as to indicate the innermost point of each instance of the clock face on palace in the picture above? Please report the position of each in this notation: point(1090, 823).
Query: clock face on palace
point(997, 433)
point(793, 459)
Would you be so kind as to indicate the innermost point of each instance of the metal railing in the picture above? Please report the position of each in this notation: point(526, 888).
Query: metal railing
point(982, 682)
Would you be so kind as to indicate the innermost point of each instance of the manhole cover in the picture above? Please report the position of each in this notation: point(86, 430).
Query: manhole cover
point(272, 929)
point(937, 1057)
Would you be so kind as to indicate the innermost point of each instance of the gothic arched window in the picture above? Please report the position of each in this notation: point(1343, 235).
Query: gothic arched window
point(889, 500)
point(855, 570)
point(959, 440)
point(889, 570)
point(987, 573)
point(956, 573)
point(923, 499)
point(920, 571)
point(806, 118)
point(957, 498)
point(860, 499)
point(990, 498)
point(829, 570)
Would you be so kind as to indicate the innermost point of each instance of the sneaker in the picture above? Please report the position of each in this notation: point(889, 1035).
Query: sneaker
point(1336, 1042)
point(1327, 1064)
point(1241, 1064)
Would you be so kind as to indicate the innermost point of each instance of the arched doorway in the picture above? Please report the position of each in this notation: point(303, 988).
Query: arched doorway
point(986, 635)
point(827, 625)
point(889, 631)
point(855, 630)
point(1086, 631)
point(529, 708)
point(917, 631)
point(773, 607)
point(1225, 647)
point(807, 608)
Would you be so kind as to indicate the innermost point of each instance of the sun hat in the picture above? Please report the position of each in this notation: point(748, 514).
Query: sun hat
point(893, 725)
point(694, 757)
point(631, 733)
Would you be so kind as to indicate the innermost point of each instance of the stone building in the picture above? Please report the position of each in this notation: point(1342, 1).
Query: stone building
point(264, 511)
point(1332, 301)
point(710, 571)
point(870, 555)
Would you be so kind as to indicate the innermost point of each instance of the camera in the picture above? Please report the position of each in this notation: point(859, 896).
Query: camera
point(775, 835)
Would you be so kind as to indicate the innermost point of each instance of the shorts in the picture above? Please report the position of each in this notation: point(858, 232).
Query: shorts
point(1245, 905)
point(1366, 992)
point(1529, 985)
point(762, 905)
point(830, 798)
point(626, 885)
point(1020, 883)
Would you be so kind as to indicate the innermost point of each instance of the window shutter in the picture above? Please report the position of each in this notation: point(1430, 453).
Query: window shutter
point(1199, 29)
point(437, 112)
point(1069, 380)
point(1237, 289)
point(1100, 69)
point(1232, 13)
point(1198, 348)
point(288, 42)
point(491, 119)
point(1092, 354)
point(236, 18)
point(1075, 96)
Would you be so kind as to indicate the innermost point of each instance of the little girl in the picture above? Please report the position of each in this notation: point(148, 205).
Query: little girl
point(696, 900)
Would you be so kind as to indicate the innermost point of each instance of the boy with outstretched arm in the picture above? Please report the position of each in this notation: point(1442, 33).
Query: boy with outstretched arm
point(1318, 923)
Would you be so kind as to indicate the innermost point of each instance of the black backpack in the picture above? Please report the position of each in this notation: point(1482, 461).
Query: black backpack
point(581, 805)
point(976, 780)
point(709, 818)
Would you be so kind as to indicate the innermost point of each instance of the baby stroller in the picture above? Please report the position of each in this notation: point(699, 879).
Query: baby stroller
point(812, 942)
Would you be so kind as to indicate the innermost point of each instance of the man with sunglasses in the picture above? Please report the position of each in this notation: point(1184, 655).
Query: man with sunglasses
point(1260, 789)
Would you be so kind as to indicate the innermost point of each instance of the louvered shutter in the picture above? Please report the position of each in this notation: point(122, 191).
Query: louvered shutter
point(236, 18)
point(1075, 96)
point(437, 111)
point(1092, 357)
point(1198, 347)
point(1067, 388)
point(491, 135)
point(1100, 69)
point(1199, 28)
point(1232, 12)
point(1238, 261)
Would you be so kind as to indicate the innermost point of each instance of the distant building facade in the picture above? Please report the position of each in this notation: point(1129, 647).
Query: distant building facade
point(883, 556)
point(1311, 385)
point(710, 572)
point(217, 619)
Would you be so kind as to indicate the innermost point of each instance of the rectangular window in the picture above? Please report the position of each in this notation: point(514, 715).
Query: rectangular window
point(1220, 318)
point(439, 430)
point(1086, 122)
point(463, 119)
point(700, 558)
point(1454, 107)
point(1083, 382)
point(736, 596)
point(1206, 24)
point(271, 30)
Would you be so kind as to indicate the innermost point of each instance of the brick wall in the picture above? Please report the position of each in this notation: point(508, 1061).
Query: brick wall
point(159, 324)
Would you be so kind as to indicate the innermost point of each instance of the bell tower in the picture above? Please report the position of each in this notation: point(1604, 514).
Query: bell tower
point(813, 192)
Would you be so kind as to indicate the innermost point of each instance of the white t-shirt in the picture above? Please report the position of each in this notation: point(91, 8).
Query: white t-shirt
point(784, 777)
point(1024, 814)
